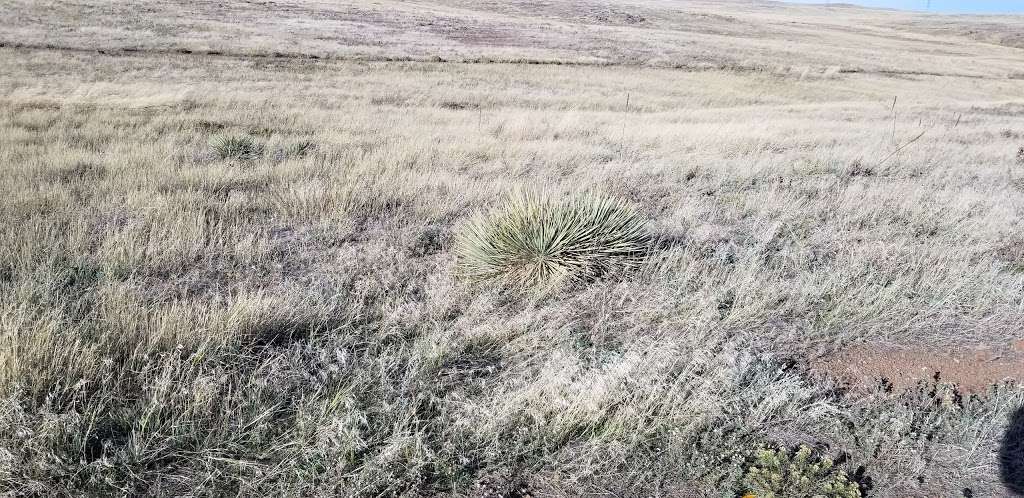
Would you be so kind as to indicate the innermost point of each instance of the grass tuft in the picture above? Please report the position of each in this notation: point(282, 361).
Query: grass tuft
point(530, 240)
point(236, 147)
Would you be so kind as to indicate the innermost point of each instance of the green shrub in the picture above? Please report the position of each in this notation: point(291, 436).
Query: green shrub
point(236, 147)
point(777, 474)
point(530, 240)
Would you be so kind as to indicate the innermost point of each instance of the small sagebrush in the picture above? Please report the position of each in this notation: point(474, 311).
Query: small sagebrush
point(300, 149)
point(777, 474)
point(235, 147)
point(530, 240)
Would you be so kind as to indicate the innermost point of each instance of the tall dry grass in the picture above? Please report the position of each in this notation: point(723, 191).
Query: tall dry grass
point(173, 322)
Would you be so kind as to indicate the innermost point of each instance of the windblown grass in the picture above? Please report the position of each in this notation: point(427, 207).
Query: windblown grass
point(173, 324)
point(532, 240)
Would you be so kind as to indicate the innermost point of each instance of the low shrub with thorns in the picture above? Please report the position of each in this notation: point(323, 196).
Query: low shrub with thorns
point(531, 240)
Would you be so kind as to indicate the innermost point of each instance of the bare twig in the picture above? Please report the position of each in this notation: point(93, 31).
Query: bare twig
point(912, 140)
point(892, 109)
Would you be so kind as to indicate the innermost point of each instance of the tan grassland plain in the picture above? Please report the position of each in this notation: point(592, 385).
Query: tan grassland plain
point(820, 180)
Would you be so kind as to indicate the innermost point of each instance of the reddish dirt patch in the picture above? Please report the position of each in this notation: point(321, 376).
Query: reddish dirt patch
point(972, 370)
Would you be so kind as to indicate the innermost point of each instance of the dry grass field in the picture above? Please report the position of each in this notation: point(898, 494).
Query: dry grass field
point(285, 317)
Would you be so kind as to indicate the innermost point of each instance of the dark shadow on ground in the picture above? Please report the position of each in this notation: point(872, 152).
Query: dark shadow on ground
point(1011, 454)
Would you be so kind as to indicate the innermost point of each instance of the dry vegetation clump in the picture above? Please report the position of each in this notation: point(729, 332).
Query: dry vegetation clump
point(532, 240)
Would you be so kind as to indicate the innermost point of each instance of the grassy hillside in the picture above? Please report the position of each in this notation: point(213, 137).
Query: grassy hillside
point(285, 318)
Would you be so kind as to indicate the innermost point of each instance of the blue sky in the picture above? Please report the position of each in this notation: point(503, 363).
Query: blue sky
point(951, 6)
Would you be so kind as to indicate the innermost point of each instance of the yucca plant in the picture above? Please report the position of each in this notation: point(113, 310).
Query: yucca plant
point(235, 147)
point(775, 473)
point(530, 240)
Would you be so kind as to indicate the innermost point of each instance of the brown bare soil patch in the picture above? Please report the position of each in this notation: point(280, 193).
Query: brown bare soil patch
point(972, 370)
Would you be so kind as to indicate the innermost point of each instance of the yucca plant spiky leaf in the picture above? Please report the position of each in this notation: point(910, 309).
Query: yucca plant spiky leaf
point(235, 147)
point(530, 240)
